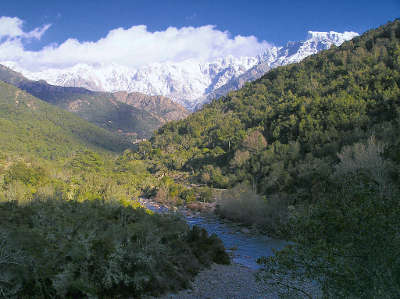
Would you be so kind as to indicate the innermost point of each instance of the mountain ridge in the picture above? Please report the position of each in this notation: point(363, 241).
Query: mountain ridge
point(190, 83)
point(278, 56)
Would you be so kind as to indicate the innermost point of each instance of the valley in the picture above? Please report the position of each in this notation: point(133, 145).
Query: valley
point(297, 144)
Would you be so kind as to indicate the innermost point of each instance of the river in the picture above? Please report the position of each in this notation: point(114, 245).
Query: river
point(245, 248)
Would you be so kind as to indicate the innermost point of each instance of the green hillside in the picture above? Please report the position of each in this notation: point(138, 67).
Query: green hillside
point(106, 110)
point(271, 132)
point(29, 125)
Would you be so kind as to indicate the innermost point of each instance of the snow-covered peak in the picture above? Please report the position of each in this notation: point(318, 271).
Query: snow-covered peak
point(331, 36)
point(296, 51)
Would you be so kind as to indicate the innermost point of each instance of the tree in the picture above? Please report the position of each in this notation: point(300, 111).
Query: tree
point(254, 142)
point(347, 243)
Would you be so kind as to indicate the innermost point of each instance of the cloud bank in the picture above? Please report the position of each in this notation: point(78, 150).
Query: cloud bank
point(133, 47)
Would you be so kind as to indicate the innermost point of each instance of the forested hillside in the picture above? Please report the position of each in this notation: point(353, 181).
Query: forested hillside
point(29, 125)
point(312, 152)
point(309, 153)
point(283, 132)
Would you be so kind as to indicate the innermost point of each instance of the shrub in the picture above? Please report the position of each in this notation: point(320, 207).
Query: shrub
point(205, 194)
point(242, 204)
point(99, 249)
point(169, 191)
point(88, 160)
point(28, 175)
point(188, 195)
point(347, 243)
point(213, 176)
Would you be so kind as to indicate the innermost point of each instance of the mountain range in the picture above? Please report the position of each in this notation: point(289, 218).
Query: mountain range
point(189, 82)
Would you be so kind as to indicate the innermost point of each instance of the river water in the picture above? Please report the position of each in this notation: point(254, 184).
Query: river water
point(245, 248)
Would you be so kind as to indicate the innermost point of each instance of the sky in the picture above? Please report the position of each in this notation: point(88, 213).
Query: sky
point(135, 32)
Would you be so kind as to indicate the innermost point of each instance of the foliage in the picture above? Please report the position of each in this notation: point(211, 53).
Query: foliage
point(319, 140)
point(347, 244)
point(27, 175)
point(205, 194)
point(97, 249)
point(242, 204)
point(70, 224)
point(282, 132)
point(87, 160)
point(316, 143)
point(169, 191)
point(188, 195)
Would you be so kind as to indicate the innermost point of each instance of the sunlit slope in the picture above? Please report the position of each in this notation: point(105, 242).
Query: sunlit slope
point(272, 131)
point(29, 125)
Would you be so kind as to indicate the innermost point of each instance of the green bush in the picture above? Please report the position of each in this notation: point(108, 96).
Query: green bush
point(87, 160)
point(242, 204)
point(205, 194)
point(169, 192)
point(19, 171)
point(98, 249)
point(188, 195)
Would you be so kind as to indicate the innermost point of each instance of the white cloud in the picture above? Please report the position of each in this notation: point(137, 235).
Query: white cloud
point(11, 28)
point(132, 47)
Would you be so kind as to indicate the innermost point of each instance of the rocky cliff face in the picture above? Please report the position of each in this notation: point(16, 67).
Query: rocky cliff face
point(159, 106)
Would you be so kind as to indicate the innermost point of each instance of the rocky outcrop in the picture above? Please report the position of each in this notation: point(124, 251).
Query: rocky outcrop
point(159, 106)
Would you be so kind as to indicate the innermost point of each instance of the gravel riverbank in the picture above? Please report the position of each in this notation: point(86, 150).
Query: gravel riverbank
point(225, 281)
point(221, 281)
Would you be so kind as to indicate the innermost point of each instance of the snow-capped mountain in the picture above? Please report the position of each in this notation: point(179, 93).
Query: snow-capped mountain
point(297, 51)
point(278, 56)
point(190, 82)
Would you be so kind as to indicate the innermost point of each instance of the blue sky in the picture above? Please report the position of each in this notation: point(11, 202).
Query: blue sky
point(274, 21)
point(55, 34)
